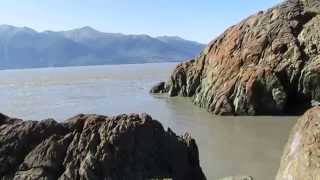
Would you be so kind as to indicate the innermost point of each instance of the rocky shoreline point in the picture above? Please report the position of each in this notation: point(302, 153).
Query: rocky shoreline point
point(268, 64)
point(95, 147)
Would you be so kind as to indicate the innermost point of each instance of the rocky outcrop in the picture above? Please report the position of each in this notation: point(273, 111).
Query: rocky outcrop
point(95, 147)
point(267, 64)
point(301, 157)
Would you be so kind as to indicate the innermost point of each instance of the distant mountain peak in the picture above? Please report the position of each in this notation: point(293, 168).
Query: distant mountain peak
point(87, 29)
point(83, 33)
point(2, 26)
point(171, 37)
point(10, 28)
point(175, 38)
point(84, 30)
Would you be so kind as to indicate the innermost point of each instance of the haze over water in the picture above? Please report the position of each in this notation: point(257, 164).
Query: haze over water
point(228, 145)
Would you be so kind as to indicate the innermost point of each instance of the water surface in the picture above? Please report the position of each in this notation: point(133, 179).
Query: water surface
point(227, 145)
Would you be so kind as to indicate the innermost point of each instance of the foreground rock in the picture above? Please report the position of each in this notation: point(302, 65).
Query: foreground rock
point(301, 158)
point(95, 147)
point(267, 64)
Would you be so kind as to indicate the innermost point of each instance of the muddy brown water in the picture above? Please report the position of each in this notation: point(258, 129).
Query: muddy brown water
point(228, 145)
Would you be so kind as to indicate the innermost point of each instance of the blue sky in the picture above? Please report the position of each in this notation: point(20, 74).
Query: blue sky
point(199, 20)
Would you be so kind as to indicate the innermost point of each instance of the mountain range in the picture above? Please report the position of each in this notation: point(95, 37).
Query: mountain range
point(23, 47)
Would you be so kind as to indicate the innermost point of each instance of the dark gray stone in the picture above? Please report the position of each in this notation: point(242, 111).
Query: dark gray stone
point(96, 147)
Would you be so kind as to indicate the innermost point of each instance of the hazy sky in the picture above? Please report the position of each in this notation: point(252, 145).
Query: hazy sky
point(199, 20)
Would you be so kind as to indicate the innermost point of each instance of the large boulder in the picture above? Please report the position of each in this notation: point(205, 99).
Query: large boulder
point(95, 147)
point(268, 64)
point(301, 157)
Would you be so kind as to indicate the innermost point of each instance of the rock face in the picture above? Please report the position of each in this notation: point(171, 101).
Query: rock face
point(267, 64)
point(95, 147)
point(301, 158)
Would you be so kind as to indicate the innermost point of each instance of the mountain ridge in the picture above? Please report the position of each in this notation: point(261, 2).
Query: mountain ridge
point(24, 47)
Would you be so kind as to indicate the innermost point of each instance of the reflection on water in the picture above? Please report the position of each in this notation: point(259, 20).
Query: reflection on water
point(227, 145)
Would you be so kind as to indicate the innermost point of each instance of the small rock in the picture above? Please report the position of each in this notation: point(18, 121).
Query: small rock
point(158, 88)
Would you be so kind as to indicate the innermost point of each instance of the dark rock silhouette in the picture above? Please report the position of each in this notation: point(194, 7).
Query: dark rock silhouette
point(95, 147)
